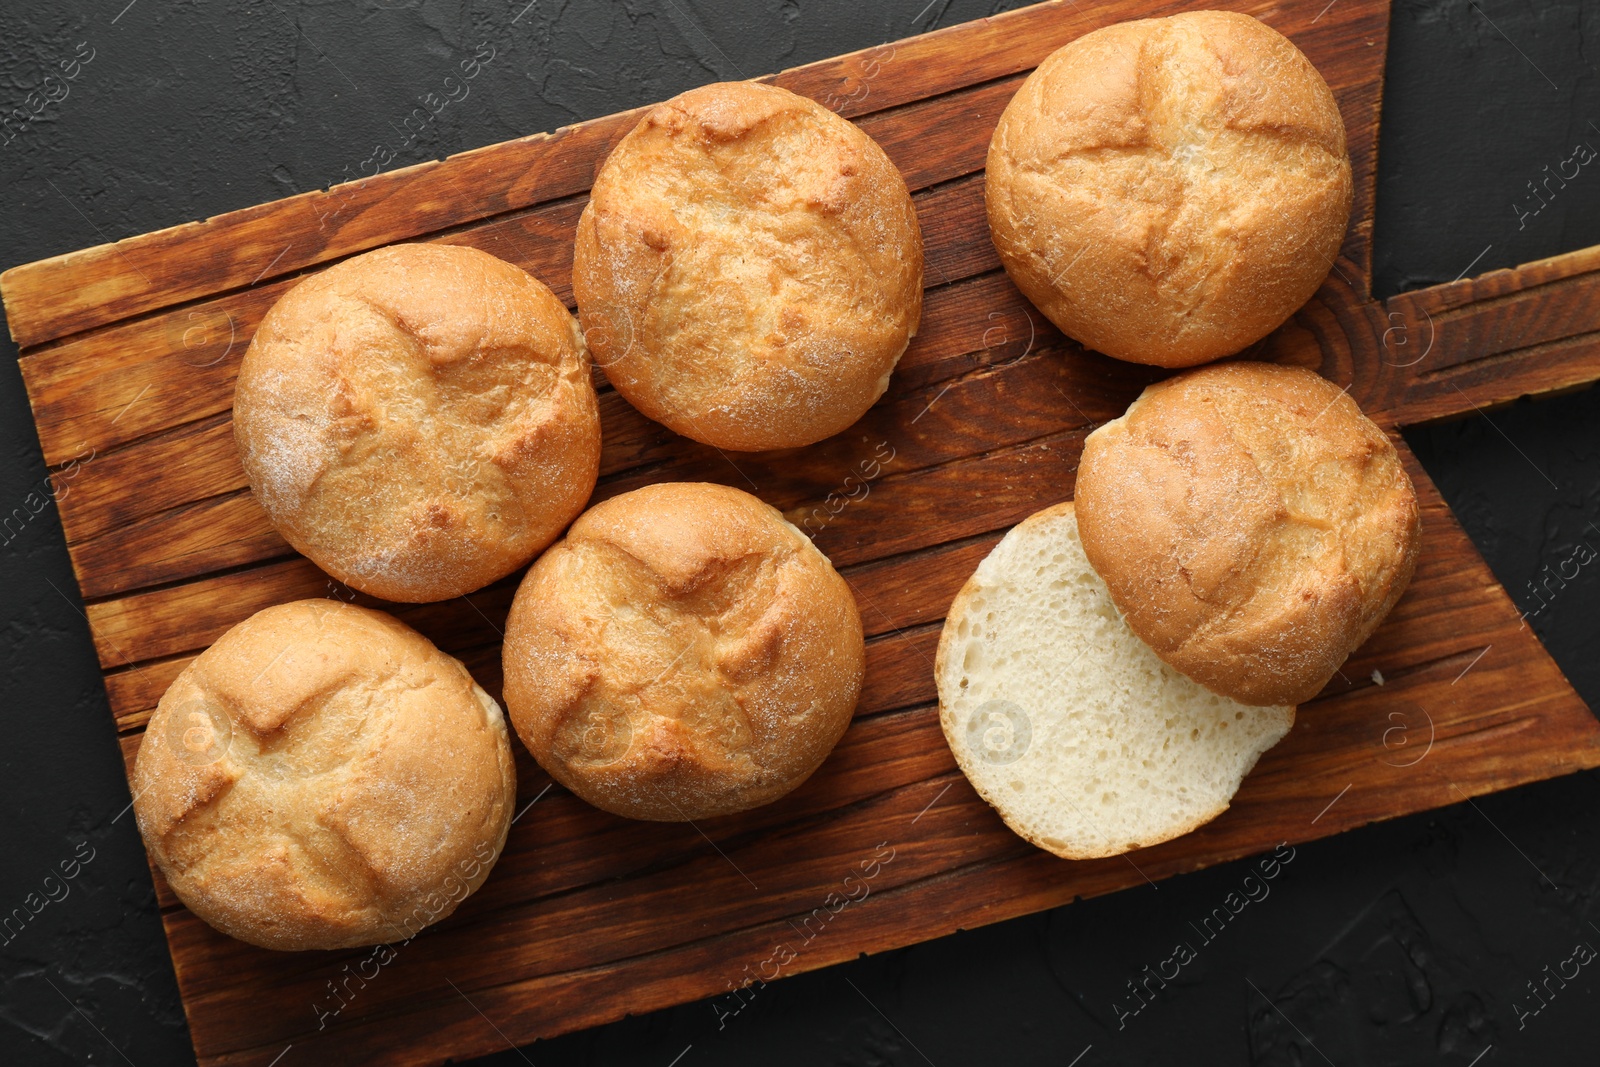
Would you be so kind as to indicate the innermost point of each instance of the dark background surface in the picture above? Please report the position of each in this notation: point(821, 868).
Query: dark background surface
point(1404, 943)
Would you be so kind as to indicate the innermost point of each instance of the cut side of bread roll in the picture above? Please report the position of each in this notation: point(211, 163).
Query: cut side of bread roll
point(1084, 741)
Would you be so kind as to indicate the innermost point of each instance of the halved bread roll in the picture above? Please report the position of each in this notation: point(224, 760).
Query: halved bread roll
point(1253, 526)
point(1066, 722)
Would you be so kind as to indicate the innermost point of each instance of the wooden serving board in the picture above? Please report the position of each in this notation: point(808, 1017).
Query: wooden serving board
point(130, 350)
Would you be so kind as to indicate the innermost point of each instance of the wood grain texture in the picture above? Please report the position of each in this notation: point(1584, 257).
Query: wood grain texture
point(129, 355)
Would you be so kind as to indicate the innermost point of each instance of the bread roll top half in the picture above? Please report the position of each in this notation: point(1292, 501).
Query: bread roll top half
point(1253, 525)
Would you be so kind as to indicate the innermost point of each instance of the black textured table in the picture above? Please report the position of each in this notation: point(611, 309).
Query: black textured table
point(1459, 937)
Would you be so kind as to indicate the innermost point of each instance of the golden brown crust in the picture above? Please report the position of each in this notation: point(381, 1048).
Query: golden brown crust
point(1252, 525)
point(1170, 190)
point(749, 268)
point(418, 420)
point(684, 652)
point(324, 777)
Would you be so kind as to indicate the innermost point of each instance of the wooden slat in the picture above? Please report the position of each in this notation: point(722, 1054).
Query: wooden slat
point(1499, 283)
point(1556, 311)
point(1484, 383)
point(1483, 341)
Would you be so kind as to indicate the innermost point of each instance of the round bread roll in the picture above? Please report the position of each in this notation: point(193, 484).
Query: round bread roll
point(418, 420)
point(749, 268)
point(1068, 724)
point(1170, 190)
point(683, 653)
point(1251, 523)
point(324, 777)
